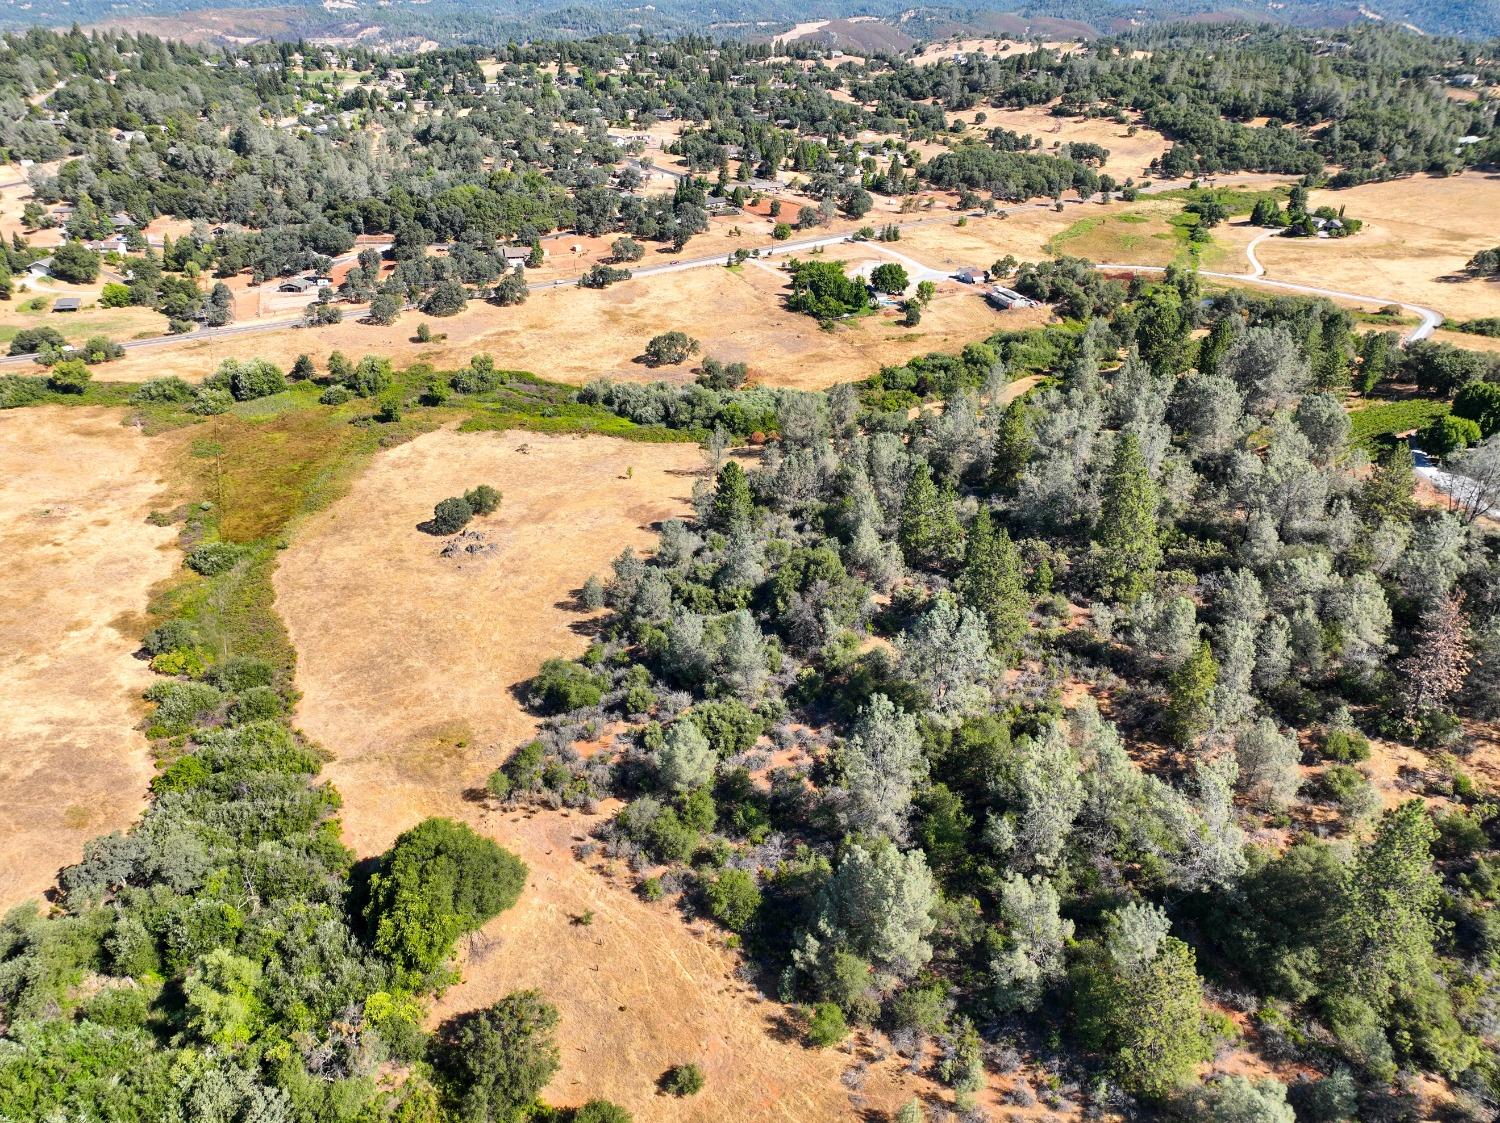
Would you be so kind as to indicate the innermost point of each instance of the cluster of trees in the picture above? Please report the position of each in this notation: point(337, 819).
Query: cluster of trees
point(1182, 527)
point(823, 290)
point(1297, 222)
point(1361, 99)
point(471, 164)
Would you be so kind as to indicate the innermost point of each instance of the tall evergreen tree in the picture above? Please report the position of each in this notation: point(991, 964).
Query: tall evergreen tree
point(1140, 1002)
point(1127, 534)
point(1164, 330)
point(732, 506)
point(1391, 920)
point(1212, 349)
point(1387, 494)
point(1012, 447)
point(1191, 694)
point(929, 531)
point(992, 583)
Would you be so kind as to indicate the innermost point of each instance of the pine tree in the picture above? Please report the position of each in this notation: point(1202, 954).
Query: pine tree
point(1013, 446)
point(1126, 533)
point(929, 532)
point(1212, 349)
point(1387, 494)
point(1191, 694)
point(948, 544)
point(733, 506)
point(1139, 1001)
point(918, 509)
point(992, 583)
point(1164, 330)
point(1391, 917)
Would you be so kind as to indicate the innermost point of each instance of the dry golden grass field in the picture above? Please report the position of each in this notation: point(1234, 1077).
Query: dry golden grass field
point(403, 654)
point(1418, 234)
point(574, 334)
point(1128, 155)
point(80, 563)
point(938, 52)
point(33, 309)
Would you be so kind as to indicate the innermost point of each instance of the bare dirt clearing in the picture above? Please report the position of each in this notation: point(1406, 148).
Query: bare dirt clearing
point(79, 557)
point(1417, 235)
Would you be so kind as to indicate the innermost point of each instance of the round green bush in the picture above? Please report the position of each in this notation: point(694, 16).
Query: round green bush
point(683, 1080)
point(827, 1025)
point(1346, 746)
point(174, 635)
point(437, 882)
point(484, 499)
point(451, 515)
point(256, 704)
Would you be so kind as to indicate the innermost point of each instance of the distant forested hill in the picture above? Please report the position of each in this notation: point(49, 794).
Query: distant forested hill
point(469, 21)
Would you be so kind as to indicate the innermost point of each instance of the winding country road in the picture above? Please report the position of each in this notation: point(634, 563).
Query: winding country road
point(1430, 318)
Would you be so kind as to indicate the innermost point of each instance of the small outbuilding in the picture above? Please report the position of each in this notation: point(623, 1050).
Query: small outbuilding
point(67, 304)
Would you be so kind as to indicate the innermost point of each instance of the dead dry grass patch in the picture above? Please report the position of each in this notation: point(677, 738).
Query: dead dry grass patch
point(81, 560)
point(1418, 234)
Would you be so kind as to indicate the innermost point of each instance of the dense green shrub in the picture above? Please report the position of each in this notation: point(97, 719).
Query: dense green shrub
point(601, 1111)
point(494, 1062)
point(733, 898)
point(483, 500)
point(451, 515)
point(438, 881)
point(28, 341)
point(683, 1080)
point(213, 558)
point(826, 1025)
point(69, 377)
point(729, 725)
point(1346, 745)
point(258, 703)
point(19, 390)
point(180, 706)
point(171, 635)
point(562, 685)
point(170, 389)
